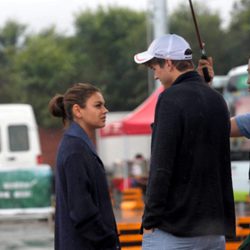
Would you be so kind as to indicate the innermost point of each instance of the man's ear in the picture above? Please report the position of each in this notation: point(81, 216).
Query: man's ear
point(76, 110)
point(170, 64)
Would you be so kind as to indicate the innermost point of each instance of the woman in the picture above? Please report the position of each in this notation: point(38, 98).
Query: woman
point(84, 217)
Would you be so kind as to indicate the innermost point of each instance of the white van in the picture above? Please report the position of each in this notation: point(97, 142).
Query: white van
point(19, 138)
point(237, 81)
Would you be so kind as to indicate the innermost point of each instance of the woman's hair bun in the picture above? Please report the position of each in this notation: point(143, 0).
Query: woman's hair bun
point(56, 106)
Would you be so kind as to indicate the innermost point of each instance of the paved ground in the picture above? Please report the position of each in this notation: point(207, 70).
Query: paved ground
point(26, 235)
point(34, 234)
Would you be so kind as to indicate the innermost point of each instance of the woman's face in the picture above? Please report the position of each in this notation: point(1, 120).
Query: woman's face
point(93, 115)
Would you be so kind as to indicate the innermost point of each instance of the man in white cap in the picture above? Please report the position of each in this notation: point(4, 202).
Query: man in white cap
point(189, 200)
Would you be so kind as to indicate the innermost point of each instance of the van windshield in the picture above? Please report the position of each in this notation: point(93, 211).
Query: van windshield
point(238, 83)
point(18, 138)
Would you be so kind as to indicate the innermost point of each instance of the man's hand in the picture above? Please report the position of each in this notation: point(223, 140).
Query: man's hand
point(148, 231)
point(209, 65)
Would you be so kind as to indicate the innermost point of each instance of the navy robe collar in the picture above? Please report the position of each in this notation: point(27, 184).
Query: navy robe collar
point(75, 130)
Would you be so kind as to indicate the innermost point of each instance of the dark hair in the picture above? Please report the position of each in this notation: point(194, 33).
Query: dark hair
point(61, 105)
point(183, 65)
point(155, 60)
point(180, 65)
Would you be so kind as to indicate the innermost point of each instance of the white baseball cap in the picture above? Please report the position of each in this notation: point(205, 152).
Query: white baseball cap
point(168, 46)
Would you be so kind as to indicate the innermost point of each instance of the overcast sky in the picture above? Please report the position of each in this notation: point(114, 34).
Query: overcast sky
point(39, 14)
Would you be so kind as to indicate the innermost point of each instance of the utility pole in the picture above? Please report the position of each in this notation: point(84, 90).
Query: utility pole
point(160, 22)
point(157, 26)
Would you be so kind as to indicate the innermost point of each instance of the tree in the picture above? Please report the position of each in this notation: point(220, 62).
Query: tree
point(34, 67)
point(43, 68)
point(104, 46)
point(212, 34)
point(239, 34)
point(11, 35)
point(101, 52)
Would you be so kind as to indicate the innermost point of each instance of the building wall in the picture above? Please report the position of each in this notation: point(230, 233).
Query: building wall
point(50, 139)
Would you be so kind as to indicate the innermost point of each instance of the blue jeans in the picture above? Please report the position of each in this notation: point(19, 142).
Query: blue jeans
point(160, 240)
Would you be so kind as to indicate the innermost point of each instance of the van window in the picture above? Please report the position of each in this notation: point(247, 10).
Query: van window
point(18, 138)
point(238, 82)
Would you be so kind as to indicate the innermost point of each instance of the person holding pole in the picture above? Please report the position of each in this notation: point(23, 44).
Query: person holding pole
point(240, 124)
point(189, 199)
point(206, 63)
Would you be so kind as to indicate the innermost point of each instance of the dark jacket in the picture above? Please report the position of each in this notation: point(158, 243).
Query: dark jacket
point(84, 217)
point(190, 187)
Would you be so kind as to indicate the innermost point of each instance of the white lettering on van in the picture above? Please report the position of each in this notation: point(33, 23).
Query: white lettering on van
point(19, 185)
point(22, 194)
point(4, 195)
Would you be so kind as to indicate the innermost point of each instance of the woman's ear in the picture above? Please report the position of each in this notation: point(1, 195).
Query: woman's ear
point(76, 110)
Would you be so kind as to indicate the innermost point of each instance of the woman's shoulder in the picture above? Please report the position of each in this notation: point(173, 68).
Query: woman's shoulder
point(72, 144)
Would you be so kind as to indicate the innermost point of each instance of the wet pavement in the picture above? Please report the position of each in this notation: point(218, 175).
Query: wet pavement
point(34, 234)
point(37, 234)
point(128, 215)
point(26, 235)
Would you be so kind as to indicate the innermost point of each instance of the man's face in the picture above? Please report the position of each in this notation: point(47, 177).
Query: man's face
point(163, 73)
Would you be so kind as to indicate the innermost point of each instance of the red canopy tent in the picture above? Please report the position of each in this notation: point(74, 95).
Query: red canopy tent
point(137, 122)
